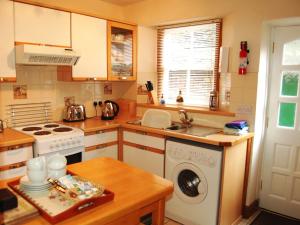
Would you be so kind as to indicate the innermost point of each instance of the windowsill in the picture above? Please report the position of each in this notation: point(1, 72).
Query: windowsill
point(192, 109)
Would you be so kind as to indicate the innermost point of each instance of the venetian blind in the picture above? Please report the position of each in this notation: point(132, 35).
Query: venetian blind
point(188, 59)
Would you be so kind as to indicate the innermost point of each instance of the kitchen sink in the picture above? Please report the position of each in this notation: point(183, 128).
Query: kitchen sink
point(194, 130)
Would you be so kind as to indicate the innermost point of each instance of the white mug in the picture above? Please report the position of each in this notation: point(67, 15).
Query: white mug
point(37, 176)
point(38, 163)
point(56, 162)
point(56, 166)
point(55, 174)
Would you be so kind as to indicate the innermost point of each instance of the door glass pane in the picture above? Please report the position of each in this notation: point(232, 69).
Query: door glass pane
point(291, 53)
point(121, 52)
point(287, 114)
point(289, 83)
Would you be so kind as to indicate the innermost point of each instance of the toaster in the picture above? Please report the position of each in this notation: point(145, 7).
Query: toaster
point(74, 112)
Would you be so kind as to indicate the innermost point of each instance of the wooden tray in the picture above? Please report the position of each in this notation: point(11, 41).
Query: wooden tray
point(77, 208)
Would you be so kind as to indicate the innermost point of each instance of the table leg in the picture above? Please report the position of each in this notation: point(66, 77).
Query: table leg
point(159, 215)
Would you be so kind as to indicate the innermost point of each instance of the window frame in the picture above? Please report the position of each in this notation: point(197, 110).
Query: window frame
point(160, 69)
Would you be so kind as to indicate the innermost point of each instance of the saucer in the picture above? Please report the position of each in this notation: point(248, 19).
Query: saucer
point(25, 181)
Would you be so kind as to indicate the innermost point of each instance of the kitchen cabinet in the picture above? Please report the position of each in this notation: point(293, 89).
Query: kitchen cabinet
point(13, 160)
point(121, 48)
point(89, 39)
point(39, 25)
point(7, 41)
point(102, 143)
point(144, 150)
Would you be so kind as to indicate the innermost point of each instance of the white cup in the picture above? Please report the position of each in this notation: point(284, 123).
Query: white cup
point(56, 162)
point(38, 163)
point(37, 176)
point(55, 174)
point(56, 166)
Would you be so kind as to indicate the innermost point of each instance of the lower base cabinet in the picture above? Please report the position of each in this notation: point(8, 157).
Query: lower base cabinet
point(110, 152)
point(13, 160)
point(139, 157)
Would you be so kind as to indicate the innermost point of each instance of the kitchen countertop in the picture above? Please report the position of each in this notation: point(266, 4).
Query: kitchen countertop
point(10, 137)
point(96, 124)
point(133, 188)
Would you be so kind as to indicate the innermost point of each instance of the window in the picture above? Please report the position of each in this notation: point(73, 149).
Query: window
point(188, 60)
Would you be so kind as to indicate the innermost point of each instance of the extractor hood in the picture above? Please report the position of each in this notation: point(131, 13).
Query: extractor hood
point(45, 55)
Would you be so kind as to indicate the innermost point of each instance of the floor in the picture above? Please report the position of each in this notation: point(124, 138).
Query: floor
point(170, 222)
point(264, 218)
point(268, 218)
point(243, 222)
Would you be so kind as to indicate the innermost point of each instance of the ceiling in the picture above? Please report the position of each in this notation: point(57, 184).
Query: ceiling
point(122, 2)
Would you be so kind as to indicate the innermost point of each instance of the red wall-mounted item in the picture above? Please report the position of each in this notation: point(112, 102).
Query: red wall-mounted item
point(243, 58)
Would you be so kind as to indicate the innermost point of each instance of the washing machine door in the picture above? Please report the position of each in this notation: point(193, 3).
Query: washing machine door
point(190, 184)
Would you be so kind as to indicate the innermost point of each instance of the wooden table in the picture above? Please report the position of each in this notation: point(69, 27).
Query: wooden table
point(137, 193)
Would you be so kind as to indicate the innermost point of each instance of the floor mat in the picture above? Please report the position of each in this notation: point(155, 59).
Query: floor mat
point(267, 218)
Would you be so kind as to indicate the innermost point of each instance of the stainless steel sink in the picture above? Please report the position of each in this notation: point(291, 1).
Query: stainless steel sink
point(194, 130)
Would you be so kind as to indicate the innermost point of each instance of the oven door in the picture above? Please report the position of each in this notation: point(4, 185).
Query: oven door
point(74, 158)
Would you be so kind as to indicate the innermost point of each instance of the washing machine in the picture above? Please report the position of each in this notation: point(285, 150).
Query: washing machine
point(195, 170)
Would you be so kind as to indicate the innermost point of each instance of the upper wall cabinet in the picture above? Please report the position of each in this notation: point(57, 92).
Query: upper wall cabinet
point(121, 51)
point(7, 53)
point(40, 25)
point(89, 39)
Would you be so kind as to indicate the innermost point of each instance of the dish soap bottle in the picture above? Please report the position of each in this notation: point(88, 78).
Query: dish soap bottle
point(162, 100)
point(179, 98)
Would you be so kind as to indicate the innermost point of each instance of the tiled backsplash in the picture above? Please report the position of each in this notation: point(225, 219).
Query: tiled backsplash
point(42, 86)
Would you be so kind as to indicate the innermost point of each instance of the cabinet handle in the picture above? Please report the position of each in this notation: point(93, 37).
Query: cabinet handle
point(15, 147)
point(99, 132)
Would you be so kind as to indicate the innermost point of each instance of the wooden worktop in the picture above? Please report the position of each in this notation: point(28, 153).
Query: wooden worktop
point(10, 137)
point(133, 188)
point(95, 124)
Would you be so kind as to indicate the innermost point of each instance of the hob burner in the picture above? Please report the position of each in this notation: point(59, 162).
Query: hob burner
point(62, 129)
point(51, 125)
point(42, 133)
point(31, 128)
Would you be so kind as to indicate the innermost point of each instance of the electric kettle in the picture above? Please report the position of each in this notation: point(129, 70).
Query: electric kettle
point(110, 109)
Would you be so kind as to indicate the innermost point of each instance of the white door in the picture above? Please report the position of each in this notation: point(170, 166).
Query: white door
point(281, 165)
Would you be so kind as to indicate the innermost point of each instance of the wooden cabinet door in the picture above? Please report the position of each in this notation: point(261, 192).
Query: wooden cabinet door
point(38, 25)
point(121, 44)
point(7, 53)
point(89, 39)
point(139, 157)
point(146, 139)
point(109, 151)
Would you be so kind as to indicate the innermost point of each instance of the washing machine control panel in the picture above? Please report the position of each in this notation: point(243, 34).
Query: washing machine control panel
point(195, 156)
